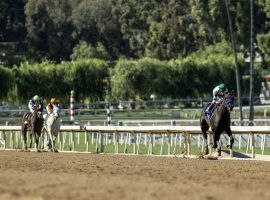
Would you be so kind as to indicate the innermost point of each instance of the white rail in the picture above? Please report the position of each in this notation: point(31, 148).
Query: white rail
point(187, 132)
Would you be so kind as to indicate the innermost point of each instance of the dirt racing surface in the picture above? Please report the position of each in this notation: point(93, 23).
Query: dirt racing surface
point(29, 175)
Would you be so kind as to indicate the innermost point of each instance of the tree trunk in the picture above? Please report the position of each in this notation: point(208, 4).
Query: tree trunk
point(251, 92)
point(237, 73)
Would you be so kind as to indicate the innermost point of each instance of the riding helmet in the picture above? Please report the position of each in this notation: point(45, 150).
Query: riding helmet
point(36, 98)
point(222, 87)
point(53, 100)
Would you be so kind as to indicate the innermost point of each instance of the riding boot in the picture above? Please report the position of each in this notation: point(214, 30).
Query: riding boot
point(208, 111)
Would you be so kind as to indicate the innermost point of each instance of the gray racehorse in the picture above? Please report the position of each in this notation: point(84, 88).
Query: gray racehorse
point(51, 129)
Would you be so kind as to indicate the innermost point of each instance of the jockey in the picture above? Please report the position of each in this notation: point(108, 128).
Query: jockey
point(50, 106)
point(218, 97)
point(219, 92)
point(35, 101)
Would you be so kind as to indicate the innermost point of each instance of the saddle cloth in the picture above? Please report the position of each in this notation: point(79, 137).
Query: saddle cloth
point(27, 117)
point(208, 112)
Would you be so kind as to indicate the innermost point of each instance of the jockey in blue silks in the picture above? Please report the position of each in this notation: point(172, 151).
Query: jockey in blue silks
point(218, 97)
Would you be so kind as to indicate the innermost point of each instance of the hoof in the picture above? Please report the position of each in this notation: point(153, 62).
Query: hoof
point(201, 155)
point(216, 154)
point(206, 150)
point(231, 153)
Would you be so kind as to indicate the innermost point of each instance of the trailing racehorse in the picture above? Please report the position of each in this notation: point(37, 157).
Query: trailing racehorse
point(219, 123)
point(34, 122)
point(51, 128)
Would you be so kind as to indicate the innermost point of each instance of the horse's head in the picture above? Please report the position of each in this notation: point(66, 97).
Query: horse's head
point(37, 112)
point(229, 99)
point(55, 111)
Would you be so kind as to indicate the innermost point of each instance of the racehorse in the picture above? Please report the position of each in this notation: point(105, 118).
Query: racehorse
point(34, 122)
point(51, 128)
point(219, 123)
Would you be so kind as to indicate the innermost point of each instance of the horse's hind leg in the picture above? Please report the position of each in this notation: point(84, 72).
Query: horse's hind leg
point(51, 140)
point(24, 136)
point(204, 128)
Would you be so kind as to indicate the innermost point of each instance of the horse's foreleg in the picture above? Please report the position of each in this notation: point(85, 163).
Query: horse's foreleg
point(31, 135)
point(52, 140)
point(230, 145)
point(217, 144)
point(36, 142)
point(24, 137)
point(31, 140)
point(206, 149)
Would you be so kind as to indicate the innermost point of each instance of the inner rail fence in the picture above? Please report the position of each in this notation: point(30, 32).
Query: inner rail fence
point(161, 140)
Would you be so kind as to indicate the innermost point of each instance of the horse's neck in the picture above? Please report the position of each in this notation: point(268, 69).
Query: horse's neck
point(34, 114)
point(222, 109)
point(55, 110)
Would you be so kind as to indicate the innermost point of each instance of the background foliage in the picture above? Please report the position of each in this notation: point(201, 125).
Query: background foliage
point(126, 49)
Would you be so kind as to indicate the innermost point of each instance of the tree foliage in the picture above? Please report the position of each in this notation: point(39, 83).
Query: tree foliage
point(85, 51)
point(170, 48)
point(6, 82)
point(164, 30)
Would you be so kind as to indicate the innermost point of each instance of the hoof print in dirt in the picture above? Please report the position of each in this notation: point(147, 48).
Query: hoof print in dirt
point(200, 156)
point(211, 157)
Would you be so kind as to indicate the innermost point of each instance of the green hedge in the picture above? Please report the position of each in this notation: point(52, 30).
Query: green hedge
point(85, 77)
point(191, 77)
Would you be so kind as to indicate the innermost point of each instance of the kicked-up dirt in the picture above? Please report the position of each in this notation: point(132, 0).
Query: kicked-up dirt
point(37, 176)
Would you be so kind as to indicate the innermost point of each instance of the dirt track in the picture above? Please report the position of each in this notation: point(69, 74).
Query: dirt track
point(26, 175)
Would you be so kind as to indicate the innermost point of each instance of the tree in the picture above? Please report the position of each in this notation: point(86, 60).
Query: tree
point(6, 83)
point(95, 23)
point(49, 29)
point(251, 94)
point(84, 51)
point(133, 16)
point(12, 20)
point(170, 31)
point(12, 32)
point(237, 73)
